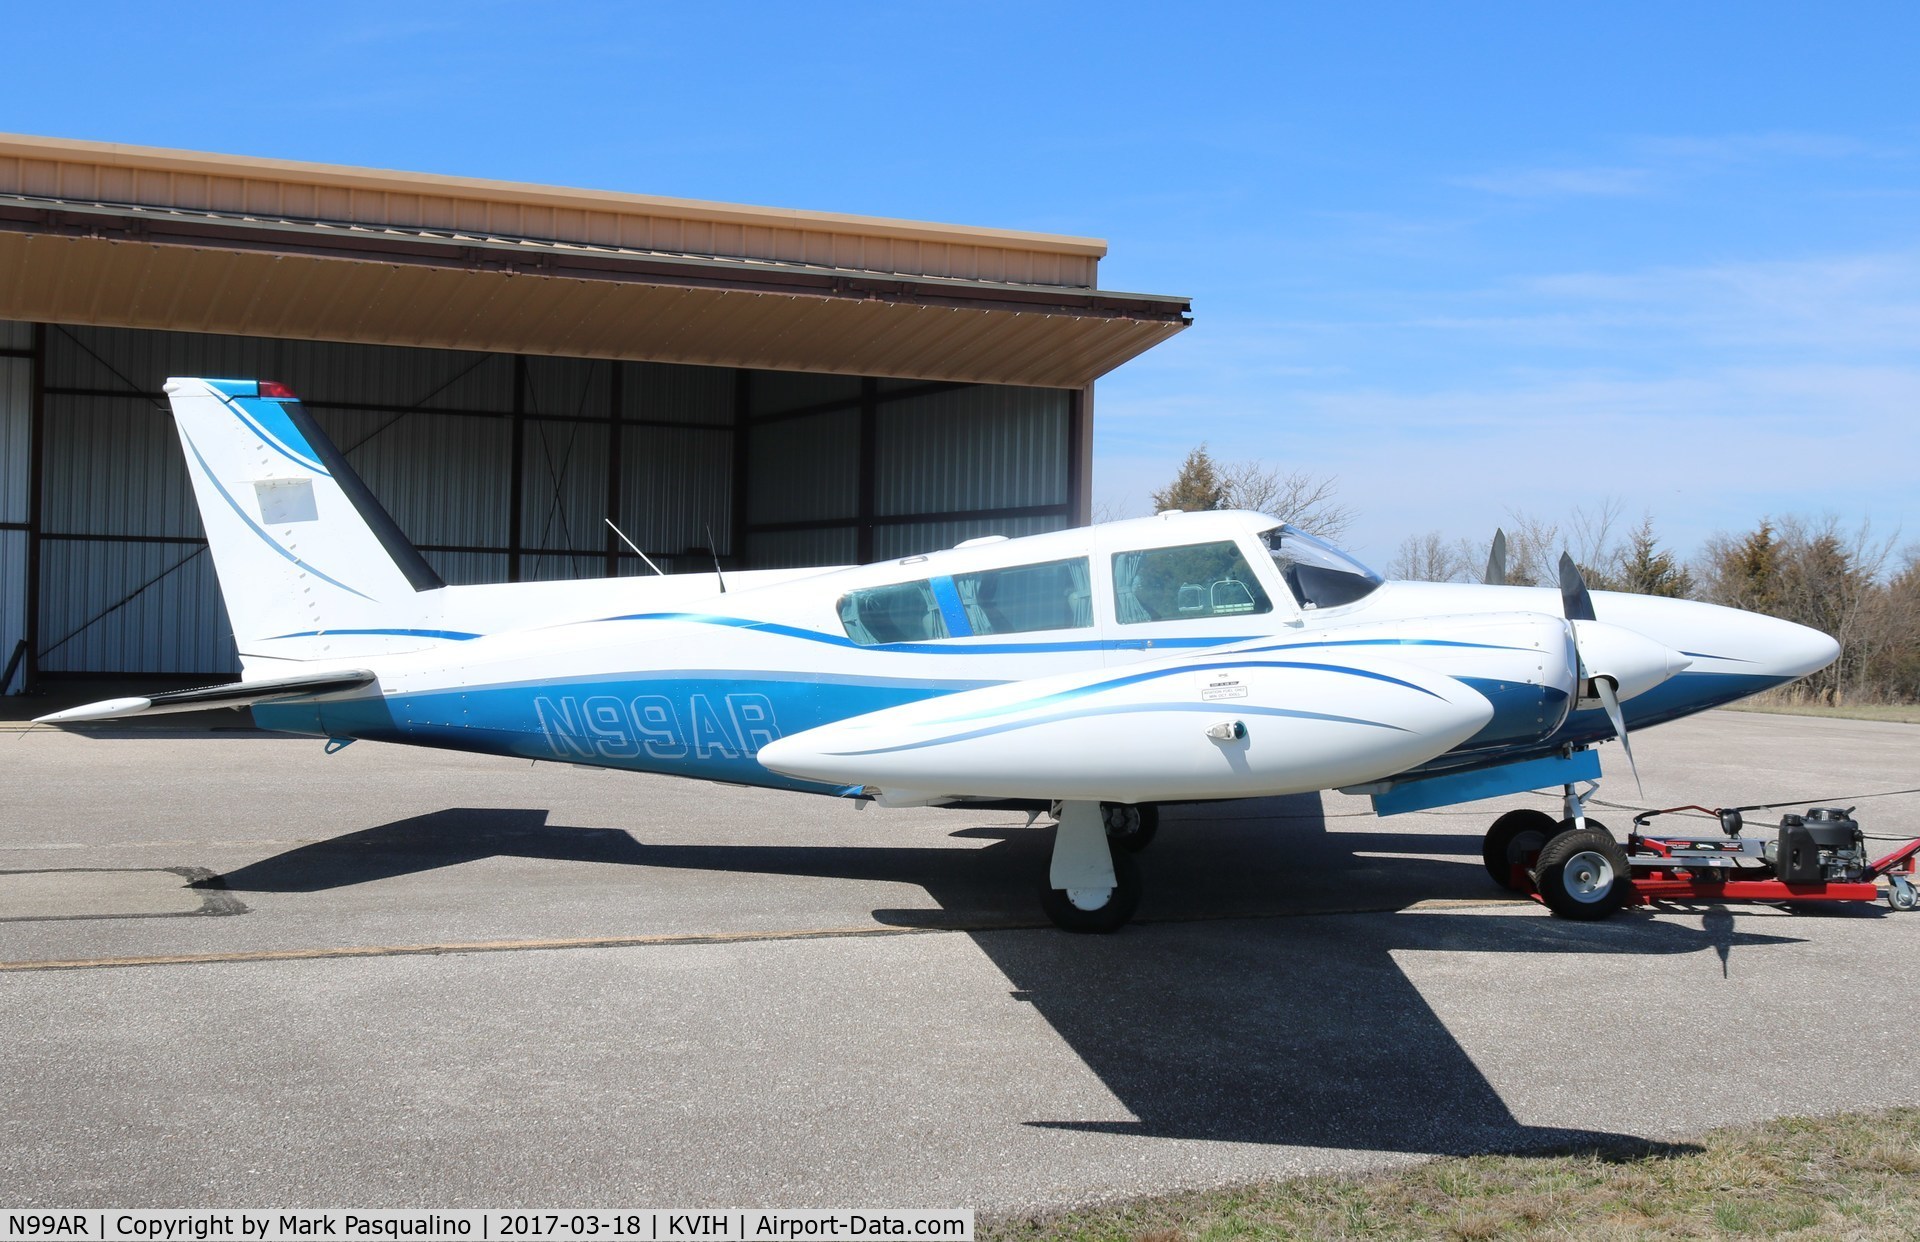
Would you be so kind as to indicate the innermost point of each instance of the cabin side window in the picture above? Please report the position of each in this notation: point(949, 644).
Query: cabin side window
point(1053, 595)
point(902, 612)
point(1185, 583)
point(1056, 595)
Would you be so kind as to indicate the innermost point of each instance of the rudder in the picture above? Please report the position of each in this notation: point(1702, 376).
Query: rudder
point(311, 566)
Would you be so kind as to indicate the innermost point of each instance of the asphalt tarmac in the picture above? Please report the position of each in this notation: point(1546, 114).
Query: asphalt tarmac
point(434, 980)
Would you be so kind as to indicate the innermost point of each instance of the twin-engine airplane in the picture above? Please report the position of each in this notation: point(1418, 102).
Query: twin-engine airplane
point(1098, 671)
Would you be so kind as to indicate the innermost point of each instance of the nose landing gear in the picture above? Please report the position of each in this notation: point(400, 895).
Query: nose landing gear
point(1090, 886)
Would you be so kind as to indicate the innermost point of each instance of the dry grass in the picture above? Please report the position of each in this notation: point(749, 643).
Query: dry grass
point(1855, 1176)
point(1904, 713)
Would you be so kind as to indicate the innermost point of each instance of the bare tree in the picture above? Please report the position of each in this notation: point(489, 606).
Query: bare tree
point(1591, 543)
point(1305, 499)
point(1828, 581)
point(1430, 558)
point(1533, 550)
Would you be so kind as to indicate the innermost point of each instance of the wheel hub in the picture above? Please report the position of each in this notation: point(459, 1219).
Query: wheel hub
point(1089, 898)
point(1589, 876)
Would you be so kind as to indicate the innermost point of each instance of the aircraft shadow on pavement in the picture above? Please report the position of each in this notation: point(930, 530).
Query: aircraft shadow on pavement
point(1269, 1028)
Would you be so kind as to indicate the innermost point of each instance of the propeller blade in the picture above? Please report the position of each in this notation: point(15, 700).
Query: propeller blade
point(1611, 701)
point(1574, 599)
point(1497, 559)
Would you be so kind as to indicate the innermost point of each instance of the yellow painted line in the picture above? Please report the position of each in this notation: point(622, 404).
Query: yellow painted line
point(466, 946)
point(1470, 903)
point(333, 952)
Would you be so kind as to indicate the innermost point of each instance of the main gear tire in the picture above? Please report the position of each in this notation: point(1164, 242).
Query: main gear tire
point(1130, 827)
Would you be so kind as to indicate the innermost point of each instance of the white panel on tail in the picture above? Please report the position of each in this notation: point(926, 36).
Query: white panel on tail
point(311, 567)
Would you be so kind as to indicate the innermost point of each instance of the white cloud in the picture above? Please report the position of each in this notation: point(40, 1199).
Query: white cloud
point(1709, 395)
point(1562, 182)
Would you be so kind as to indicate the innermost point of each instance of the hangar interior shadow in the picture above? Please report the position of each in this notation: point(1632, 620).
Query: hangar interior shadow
point(1269, 1029)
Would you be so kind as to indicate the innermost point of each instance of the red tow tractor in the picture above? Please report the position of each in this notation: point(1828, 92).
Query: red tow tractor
point(1582, 872)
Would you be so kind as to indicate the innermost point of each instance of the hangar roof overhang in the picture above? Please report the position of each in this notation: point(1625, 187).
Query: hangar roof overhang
point(137, 237)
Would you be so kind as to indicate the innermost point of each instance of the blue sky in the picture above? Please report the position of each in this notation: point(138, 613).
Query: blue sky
point(1466, 258)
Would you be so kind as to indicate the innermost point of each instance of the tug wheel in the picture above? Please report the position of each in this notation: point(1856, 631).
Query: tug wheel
point(1514, 841)
point(1096, 910)
point(1901, 894)
point(1582, 874)
point(1130, 827)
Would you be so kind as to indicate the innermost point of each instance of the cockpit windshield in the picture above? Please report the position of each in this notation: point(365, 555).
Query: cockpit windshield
point(1319, 574)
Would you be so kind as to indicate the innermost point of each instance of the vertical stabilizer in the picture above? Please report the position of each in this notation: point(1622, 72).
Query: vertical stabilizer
point(311, 566)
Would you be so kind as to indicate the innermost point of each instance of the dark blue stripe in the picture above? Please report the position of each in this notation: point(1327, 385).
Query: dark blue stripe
point(264, 536)
point(837, 640)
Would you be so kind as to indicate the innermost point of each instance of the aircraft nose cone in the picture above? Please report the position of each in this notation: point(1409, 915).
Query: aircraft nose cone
point(1791, 650)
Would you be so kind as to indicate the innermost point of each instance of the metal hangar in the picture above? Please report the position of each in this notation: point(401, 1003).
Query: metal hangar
point(510, 364)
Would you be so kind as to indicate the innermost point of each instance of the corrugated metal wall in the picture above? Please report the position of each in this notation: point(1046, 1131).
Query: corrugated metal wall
point(499, 467)
point(16, 439)
point(840, 467)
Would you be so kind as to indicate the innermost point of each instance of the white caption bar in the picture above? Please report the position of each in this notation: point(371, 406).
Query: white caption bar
point(569, 1225)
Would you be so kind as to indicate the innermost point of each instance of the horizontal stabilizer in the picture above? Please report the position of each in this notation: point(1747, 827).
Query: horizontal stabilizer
point(233, 694)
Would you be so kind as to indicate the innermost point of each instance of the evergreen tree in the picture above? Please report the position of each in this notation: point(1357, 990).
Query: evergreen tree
point(1197, 488)
point(1644, 569)
point(1747, 574)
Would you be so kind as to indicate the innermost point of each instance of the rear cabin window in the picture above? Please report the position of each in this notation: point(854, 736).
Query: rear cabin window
point(1054, 595)
point(1024, 598)
point(1185, 584)
point(906, 612)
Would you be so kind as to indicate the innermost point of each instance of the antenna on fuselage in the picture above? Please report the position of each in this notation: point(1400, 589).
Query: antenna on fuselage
point(636, 548)
point(716, 559)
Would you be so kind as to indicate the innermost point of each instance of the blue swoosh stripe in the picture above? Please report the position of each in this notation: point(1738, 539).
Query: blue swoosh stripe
point(458, 636)
point(836, 640)
point(255, 526)
point(1065, 696)
point(1392, 642)
point(277, 442)
point(1117, 710)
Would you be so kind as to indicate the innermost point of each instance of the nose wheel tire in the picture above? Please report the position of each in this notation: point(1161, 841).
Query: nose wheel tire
point(1096, 910)
point(1131, 828)
point(1515, 840)
point(1582, 874)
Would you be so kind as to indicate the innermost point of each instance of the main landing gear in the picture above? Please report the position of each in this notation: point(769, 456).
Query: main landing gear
point(1091, 885)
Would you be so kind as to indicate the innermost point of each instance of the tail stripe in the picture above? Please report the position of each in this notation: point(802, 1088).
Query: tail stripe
point(283, 437)
point(255, 526)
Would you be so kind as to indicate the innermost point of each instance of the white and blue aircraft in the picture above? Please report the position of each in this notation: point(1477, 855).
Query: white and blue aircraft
point(1096, 672)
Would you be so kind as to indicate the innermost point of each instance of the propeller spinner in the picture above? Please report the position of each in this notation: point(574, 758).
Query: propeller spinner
point(1612, 662)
